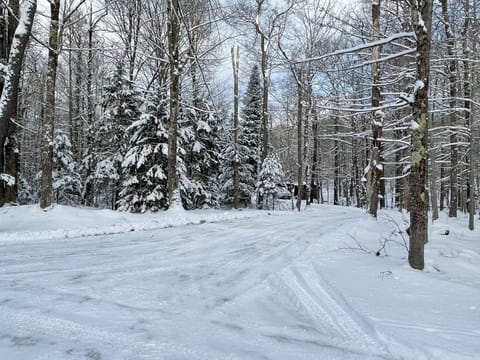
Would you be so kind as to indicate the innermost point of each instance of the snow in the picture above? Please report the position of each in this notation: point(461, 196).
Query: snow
point(414, 125)
point(8, 179)
point(244, 284)
point(419, 84)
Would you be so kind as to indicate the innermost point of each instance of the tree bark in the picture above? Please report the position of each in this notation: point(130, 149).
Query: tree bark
point(9, 96)
point(452, 79)
point(12, 151)
point(377, 120)
point(49, 112)
point(469, 94)
point(300, 164)
point(89, 149)
point(265, 90)
point(314, 183)
point(173, 25)
point(236, 161)
point(421, 15)
point(433, 185)
point(336, 165)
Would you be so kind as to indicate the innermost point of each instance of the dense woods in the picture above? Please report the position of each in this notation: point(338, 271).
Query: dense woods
point(138, 105)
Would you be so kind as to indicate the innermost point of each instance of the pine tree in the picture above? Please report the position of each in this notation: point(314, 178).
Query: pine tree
point(120, 110)
point(271, 175)
point(66, 179)
point(144, 166)
point(250, 126)
point(228, 157)
point(202, 156)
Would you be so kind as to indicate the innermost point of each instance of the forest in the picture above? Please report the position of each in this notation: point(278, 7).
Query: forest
point(141, 105)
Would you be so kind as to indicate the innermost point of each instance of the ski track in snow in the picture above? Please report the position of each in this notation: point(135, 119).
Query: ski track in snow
point(222, 290)
point(315, 298)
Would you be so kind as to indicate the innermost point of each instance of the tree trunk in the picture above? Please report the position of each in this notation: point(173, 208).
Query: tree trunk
point(173, 25)
point(49, 112)
point(452, 79)
point(89, 149)
point(12, 151)
point(300, 164)
point(377, 121)
point(306, 136)
point(264, 100)
point(236, 161)
point(9, 96)
point(336, 165)
point(433, 185)
point(314, 184)
point(421, 14)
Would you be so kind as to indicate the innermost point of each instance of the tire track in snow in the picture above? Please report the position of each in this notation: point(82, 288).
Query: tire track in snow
point(313, 297)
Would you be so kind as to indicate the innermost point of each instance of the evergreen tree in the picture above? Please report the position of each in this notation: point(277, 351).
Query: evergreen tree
point(145, 163)
point(227, 159)
point(202, 156)
point(120, 110)
point(271, 175)
point(66, 179)
point(250, 126)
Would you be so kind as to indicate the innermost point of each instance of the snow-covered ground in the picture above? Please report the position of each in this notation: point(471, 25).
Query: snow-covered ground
point(96, 284)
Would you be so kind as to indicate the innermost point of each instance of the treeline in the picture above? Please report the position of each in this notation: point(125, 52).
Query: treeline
point(134, 105)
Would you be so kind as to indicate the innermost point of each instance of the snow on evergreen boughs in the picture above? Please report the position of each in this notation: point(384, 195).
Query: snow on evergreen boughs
point(66, 179)
point(228, 157)
point(144, 165)
point(271, 175)
point(200, 144)
point(120, 109)
point(249, 139)
point(9, 180)
point(26, 193)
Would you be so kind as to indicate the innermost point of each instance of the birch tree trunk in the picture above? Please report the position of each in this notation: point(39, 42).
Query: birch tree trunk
point(421, 16)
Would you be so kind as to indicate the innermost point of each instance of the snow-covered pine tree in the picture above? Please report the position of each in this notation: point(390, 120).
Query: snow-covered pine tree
point(271, 175)
point(227, 159)
point(250, 126)
point(144, 186)
point(66, 179)
point(202, 155)
point(120, 109)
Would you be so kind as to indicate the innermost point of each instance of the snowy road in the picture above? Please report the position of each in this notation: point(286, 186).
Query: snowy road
point(242, 289)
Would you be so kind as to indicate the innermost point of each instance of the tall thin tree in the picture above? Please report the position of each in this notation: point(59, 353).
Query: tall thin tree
point(173, 29)
point(421, 16)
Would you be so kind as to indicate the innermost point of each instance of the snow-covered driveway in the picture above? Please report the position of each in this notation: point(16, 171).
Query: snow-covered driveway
point(242, 289)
